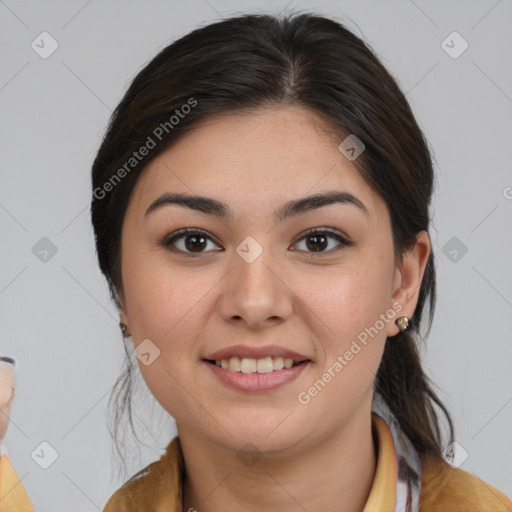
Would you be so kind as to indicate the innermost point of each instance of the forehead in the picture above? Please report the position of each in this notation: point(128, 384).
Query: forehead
point(256, 160)
point(6, 372)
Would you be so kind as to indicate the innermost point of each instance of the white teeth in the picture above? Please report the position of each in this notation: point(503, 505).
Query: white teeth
point(249, 365)
point(264, 365)
point(234, 364)
point(278, 363)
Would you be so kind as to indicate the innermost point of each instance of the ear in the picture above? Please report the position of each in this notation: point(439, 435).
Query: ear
point(408, 278)
point(123, 315)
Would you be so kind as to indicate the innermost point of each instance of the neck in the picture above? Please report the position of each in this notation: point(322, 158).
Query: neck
point(337, 471)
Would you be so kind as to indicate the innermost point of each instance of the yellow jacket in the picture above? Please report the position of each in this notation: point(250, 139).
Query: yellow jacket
point(158, 488)
point(13, 497)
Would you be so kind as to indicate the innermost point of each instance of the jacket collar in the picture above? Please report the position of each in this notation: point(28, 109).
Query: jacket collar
point(388, 492)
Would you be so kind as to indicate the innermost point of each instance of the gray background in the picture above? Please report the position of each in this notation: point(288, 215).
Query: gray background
point(56, 316)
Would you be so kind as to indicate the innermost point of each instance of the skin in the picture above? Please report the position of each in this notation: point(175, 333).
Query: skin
point(7, 384)
point(314, 456)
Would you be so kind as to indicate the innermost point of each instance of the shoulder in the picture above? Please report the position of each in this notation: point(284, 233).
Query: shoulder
point(449, 489)
point(155, 487)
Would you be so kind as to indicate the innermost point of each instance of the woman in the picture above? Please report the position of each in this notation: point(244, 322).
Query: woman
point(13, 496)
point(261, 212)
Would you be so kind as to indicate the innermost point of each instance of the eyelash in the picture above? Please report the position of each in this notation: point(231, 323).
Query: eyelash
point(169, 240)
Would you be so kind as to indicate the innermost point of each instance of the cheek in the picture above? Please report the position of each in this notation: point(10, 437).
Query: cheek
point(350, 299)
point(160, 296)
point(352, 339)
point(169, 305)
point(348, 303)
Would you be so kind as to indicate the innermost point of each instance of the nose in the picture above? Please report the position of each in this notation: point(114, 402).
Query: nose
point(256, 293)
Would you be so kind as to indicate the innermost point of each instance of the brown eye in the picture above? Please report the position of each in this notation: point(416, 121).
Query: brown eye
point(188, 241)
point(195, 243)
point(317, 241)
point(192, 241)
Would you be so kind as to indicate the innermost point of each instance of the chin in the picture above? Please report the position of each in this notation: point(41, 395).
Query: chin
point(270, 432)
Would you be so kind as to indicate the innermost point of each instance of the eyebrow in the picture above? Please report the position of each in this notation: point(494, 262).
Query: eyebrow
point(290, 209)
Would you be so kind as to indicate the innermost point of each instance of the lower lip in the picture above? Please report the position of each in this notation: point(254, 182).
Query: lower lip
point(257, 381)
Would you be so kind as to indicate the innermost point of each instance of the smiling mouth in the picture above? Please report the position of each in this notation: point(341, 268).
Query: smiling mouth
point(251, 365)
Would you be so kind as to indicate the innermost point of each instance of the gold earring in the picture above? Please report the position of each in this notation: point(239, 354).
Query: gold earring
point(124, 329)
point(402, 323)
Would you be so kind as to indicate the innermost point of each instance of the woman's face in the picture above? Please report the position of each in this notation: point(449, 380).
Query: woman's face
point(256, 278)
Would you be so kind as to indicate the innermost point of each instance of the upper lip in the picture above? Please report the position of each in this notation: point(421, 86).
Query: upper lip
point(242, 351)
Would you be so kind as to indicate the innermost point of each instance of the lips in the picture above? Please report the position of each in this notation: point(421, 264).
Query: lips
point(244, 351)
point(257, 382)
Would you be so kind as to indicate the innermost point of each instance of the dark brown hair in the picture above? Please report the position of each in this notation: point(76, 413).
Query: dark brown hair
point(251, 62)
